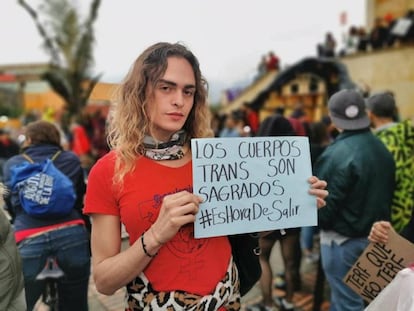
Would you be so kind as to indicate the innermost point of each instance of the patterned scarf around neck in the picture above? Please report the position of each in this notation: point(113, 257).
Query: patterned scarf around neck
point(170, 150)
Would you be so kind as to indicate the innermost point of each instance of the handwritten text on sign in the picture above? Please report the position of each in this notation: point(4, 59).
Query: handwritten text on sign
point(252, 184)
point(378, 265)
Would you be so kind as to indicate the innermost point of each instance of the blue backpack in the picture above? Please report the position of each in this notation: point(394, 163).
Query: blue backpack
point(44, 191)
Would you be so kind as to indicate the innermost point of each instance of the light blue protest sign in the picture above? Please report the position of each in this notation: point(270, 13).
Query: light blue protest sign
point(252, 184)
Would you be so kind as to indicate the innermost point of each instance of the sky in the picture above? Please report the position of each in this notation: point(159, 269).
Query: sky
point(229, 37)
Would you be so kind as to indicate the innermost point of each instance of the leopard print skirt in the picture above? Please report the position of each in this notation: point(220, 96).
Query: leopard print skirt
point(226, 296)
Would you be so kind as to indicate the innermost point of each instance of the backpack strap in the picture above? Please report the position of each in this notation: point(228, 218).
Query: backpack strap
point(26, 156)
point(54, 157)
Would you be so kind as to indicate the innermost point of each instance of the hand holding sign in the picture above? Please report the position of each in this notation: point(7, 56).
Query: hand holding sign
point(252, 184)
point(378, 265)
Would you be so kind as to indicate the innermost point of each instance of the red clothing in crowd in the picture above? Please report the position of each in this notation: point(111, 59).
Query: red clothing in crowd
point(80, 141)
point(253, 121)
point(297, 126)
point(138, 204)
point(273, 62)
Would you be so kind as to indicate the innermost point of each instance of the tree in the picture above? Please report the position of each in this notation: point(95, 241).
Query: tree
point(69, 43)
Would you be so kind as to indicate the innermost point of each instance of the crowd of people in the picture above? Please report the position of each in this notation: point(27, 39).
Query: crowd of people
point(162, 104)
point(365, 153)
point(361, 152)
point(386, 31)
point(74, 149)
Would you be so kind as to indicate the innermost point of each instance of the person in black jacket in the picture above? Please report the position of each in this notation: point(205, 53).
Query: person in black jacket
point(360, 172)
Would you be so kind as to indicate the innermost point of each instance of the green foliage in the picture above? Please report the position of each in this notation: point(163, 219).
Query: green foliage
point(10, 111)
point(69, 43)
point(9, 103)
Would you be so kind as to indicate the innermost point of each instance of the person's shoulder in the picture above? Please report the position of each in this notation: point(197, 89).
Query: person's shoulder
point(16, 159)
point(407, 123)
point(104, 163)
point(68, 154)
point(109, 157)
point(102, 171)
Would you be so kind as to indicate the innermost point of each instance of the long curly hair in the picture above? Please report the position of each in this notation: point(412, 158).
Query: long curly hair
point(128, 119)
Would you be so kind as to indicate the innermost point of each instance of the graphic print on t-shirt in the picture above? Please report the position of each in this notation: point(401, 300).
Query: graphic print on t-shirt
point(184, 242)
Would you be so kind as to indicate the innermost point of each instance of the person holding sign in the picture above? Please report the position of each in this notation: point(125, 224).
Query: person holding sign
point(398, 293)
point(360, 172)
point(380, 231)
point(145, 183)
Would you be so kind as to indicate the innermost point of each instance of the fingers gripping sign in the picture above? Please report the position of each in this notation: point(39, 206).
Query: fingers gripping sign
point(177, 210)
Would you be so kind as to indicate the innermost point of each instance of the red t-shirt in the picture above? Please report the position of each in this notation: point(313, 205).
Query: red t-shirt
point(184, 263)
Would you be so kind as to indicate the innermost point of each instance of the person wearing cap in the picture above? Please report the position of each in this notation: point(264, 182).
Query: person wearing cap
point(361, 174)
point(398, 137)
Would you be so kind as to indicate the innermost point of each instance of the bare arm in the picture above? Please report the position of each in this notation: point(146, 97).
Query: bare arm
point(113, 268)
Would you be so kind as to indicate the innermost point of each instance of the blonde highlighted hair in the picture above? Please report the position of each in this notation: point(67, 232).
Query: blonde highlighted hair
point(128, 120)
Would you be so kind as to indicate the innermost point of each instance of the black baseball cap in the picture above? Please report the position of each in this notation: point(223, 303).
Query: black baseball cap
point(347, 110)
